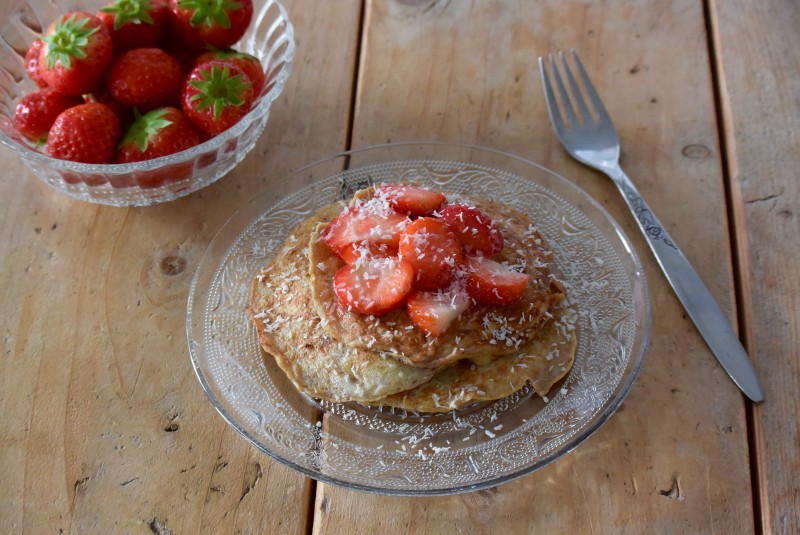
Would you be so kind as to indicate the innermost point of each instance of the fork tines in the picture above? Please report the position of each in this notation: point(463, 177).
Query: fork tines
point(569, 99)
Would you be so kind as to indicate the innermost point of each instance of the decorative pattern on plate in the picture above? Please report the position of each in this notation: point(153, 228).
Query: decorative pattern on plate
point(392, 451)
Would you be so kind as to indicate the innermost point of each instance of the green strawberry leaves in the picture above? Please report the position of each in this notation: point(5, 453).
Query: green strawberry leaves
point(144, 127)
point(68, 40)
point(218, 89)
point(210, 12)
point(229, 53)
point(133, 11)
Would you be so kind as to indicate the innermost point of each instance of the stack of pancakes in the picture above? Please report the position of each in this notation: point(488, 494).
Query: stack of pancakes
point(337, 355)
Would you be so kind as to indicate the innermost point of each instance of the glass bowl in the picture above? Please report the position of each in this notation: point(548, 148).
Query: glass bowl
point(270, 38)
point(392, 451)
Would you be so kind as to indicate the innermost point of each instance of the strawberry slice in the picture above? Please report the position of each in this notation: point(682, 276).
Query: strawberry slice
point(355, 225)
point(375, 286)
point(492, 282)
point(411, 199)
point(353, 252)
point(433, 312)
point(433, 250)
point(475, 230)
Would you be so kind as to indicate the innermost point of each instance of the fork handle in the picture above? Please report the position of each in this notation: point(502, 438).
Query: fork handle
point(697, 300)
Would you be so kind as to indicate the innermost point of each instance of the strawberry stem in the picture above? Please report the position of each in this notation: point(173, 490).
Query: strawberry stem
point(70, 36)
point(218, 89)
point(133, 11)
point(210, 12)
point(144, 127)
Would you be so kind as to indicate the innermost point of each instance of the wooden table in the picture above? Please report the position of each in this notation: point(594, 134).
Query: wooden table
point(104, 428)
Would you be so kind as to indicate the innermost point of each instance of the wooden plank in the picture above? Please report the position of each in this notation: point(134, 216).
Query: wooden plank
point(674, 459)
point(759, 83)
point(104, 427)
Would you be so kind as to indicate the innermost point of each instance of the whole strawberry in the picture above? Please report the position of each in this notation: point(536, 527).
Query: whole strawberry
point(37, 111)
point(135, 23)
point(249, 64)
point(87, 133)
point(32, 63)
point(124, 113)
point(157, 133)
point(145, 78)
point(216, 95)
point(218, 23)
point(184, 54)
point(76, 53)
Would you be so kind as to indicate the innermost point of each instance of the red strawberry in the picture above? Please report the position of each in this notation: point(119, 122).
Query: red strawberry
point(36, 113)
point(86, 133)
point(433, 312)
point(474, 229)
point(32, 63)
point(353, 252)
point(76, 53)
point(184, 54)
point(216, 95)
point(145, 78)
point(249, 64)
point(434, 251)
point(411, 199)
point(157, 133)
point(219, 23)
point(358, 226)
point(135, 23)
point(492, 282)
point(376, 286)
point(101, 95)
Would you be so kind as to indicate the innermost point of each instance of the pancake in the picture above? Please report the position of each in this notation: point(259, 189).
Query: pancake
point(543, 362)
point(291, 332)
point(338, 356)
point(481, 334)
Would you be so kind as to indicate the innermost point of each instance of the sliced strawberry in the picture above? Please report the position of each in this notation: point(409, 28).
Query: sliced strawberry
point(376, 286)
point(434, 251)
point(475, 230)
point(411, 199)
point(355, 225)
point(433, 312)
point(353, 252)
point(492, 282)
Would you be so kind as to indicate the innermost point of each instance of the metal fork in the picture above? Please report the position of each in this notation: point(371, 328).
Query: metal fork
point(592, 140)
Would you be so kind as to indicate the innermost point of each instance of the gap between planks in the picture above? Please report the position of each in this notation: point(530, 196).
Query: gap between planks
point(738, 263)
point(311, 514)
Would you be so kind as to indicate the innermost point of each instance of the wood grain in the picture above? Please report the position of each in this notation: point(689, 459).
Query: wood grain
point(759, 85)
point(675, 458)
point(104, 426)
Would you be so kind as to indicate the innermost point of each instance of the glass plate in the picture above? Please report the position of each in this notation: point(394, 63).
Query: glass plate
point(390, 451)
